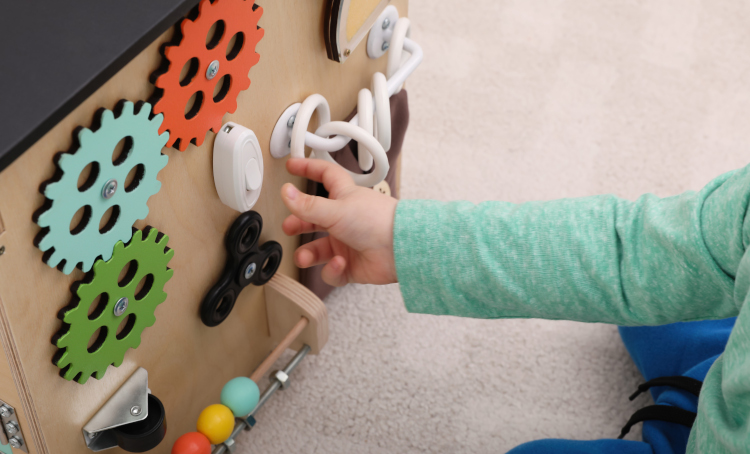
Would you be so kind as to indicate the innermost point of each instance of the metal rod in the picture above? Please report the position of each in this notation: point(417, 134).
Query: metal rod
point(276, 385)
point(243, 423)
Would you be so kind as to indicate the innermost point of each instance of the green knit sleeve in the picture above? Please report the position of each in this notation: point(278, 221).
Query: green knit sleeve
point(592, 259)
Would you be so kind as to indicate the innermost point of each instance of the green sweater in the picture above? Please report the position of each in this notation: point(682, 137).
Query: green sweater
point(597, 259)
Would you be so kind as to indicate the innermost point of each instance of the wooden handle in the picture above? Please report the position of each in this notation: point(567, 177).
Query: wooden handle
point(286, 301)
point(276, 353)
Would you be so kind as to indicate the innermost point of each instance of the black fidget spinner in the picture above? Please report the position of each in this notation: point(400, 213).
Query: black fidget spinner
point(247, 263)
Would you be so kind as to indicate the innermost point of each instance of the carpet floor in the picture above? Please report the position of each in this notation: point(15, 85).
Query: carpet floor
point(522, 100)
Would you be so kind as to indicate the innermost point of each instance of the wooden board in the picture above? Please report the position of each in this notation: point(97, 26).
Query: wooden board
point(13, 384)
point(188, 363)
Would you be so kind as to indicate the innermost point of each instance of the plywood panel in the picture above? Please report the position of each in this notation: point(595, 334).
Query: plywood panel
point(188, 363)
point(14, 386)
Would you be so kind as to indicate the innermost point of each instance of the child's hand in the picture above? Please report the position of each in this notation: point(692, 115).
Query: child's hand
point(359, 222)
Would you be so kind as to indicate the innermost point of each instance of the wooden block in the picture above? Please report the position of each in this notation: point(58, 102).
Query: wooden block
point(286, 302)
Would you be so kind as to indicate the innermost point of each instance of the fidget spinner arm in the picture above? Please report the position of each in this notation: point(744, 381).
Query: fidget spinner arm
point(247, 263)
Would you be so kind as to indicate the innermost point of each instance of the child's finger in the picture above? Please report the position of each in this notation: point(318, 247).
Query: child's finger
point(333, 176)
point(293, 225)
point(313, 253)
point(334, 273)
point(312, 209)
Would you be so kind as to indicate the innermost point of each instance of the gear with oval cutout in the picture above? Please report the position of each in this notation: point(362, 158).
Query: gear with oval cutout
point(205, 67)
point(112, 306)
point(114, 191)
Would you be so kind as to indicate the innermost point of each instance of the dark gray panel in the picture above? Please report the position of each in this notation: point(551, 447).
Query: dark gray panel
point(55, 53)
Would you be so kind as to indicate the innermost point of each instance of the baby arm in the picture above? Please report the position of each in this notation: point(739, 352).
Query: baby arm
point(594, 259)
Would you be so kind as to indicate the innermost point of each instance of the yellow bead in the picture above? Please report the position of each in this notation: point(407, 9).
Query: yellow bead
point(216, 422)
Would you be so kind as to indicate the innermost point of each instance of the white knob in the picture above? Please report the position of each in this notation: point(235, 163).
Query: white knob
point(253, 176)
point(238, 167)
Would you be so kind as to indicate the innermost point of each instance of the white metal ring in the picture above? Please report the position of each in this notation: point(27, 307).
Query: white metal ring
point(278, 144)
point(302, 121)
point(382, 110)
point(366, 141)
point(364, 109)
point(395, 51)
point(373, 135)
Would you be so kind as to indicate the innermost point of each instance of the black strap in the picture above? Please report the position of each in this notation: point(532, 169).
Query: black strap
point(659, 413)
point(688, 384)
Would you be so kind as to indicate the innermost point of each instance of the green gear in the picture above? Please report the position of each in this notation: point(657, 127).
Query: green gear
point(151, 255)
point(87, 242)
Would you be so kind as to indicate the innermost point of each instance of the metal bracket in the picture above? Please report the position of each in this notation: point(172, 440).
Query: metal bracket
point(11, 433)
point(126, 406)
point(379, 39)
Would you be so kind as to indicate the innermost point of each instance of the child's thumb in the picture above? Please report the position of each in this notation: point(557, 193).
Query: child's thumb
point(317, 210)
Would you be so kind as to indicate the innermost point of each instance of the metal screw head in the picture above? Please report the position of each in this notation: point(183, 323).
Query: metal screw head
point(347, 52)
point(6, 411)
point(109, 189)
point(250, 270)
point(386, 23)
point(15, 442)
point(212, 70)
point(135, 410)
point(121, 306)
point(290, 122)
point(11, 428)
point(385, 46)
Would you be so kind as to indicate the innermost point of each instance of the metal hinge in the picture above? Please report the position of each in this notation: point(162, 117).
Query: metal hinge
point(11, 433)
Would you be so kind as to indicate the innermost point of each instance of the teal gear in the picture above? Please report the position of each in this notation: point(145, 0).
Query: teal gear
point(84, 244)
point(82, 352)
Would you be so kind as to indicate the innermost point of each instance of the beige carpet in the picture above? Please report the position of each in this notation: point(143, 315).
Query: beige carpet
point(522, 100)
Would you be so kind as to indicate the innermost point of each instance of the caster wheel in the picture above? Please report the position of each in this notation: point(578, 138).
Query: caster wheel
point(144, 435)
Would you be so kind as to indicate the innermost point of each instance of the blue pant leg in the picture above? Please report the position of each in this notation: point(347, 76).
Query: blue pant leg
point(662, 351)
point(604, 446)
point(687, 349)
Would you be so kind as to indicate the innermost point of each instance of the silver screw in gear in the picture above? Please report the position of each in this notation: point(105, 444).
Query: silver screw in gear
point(135, 410)
point(121, 306)
point(290, 122)
point(15, 442)
point(213, 70)
point(109, 189)
point(386, 23)
point(249, 271)
point(385, 46)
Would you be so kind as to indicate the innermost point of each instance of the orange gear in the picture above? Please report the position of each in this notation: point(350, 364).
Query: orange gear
point(213, 68)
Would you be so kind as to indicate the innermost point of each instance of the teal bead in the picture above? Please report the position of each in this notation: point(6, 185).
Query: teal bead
point(241, 395)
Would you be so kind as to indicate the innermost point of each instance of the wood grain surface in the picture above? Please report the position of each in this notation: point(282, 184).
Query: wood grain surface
point(188, 363)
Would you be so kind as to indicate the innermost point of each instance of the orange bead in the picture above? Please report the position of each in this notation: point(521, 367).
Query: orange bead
point(216, 422)
point(192, 443)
